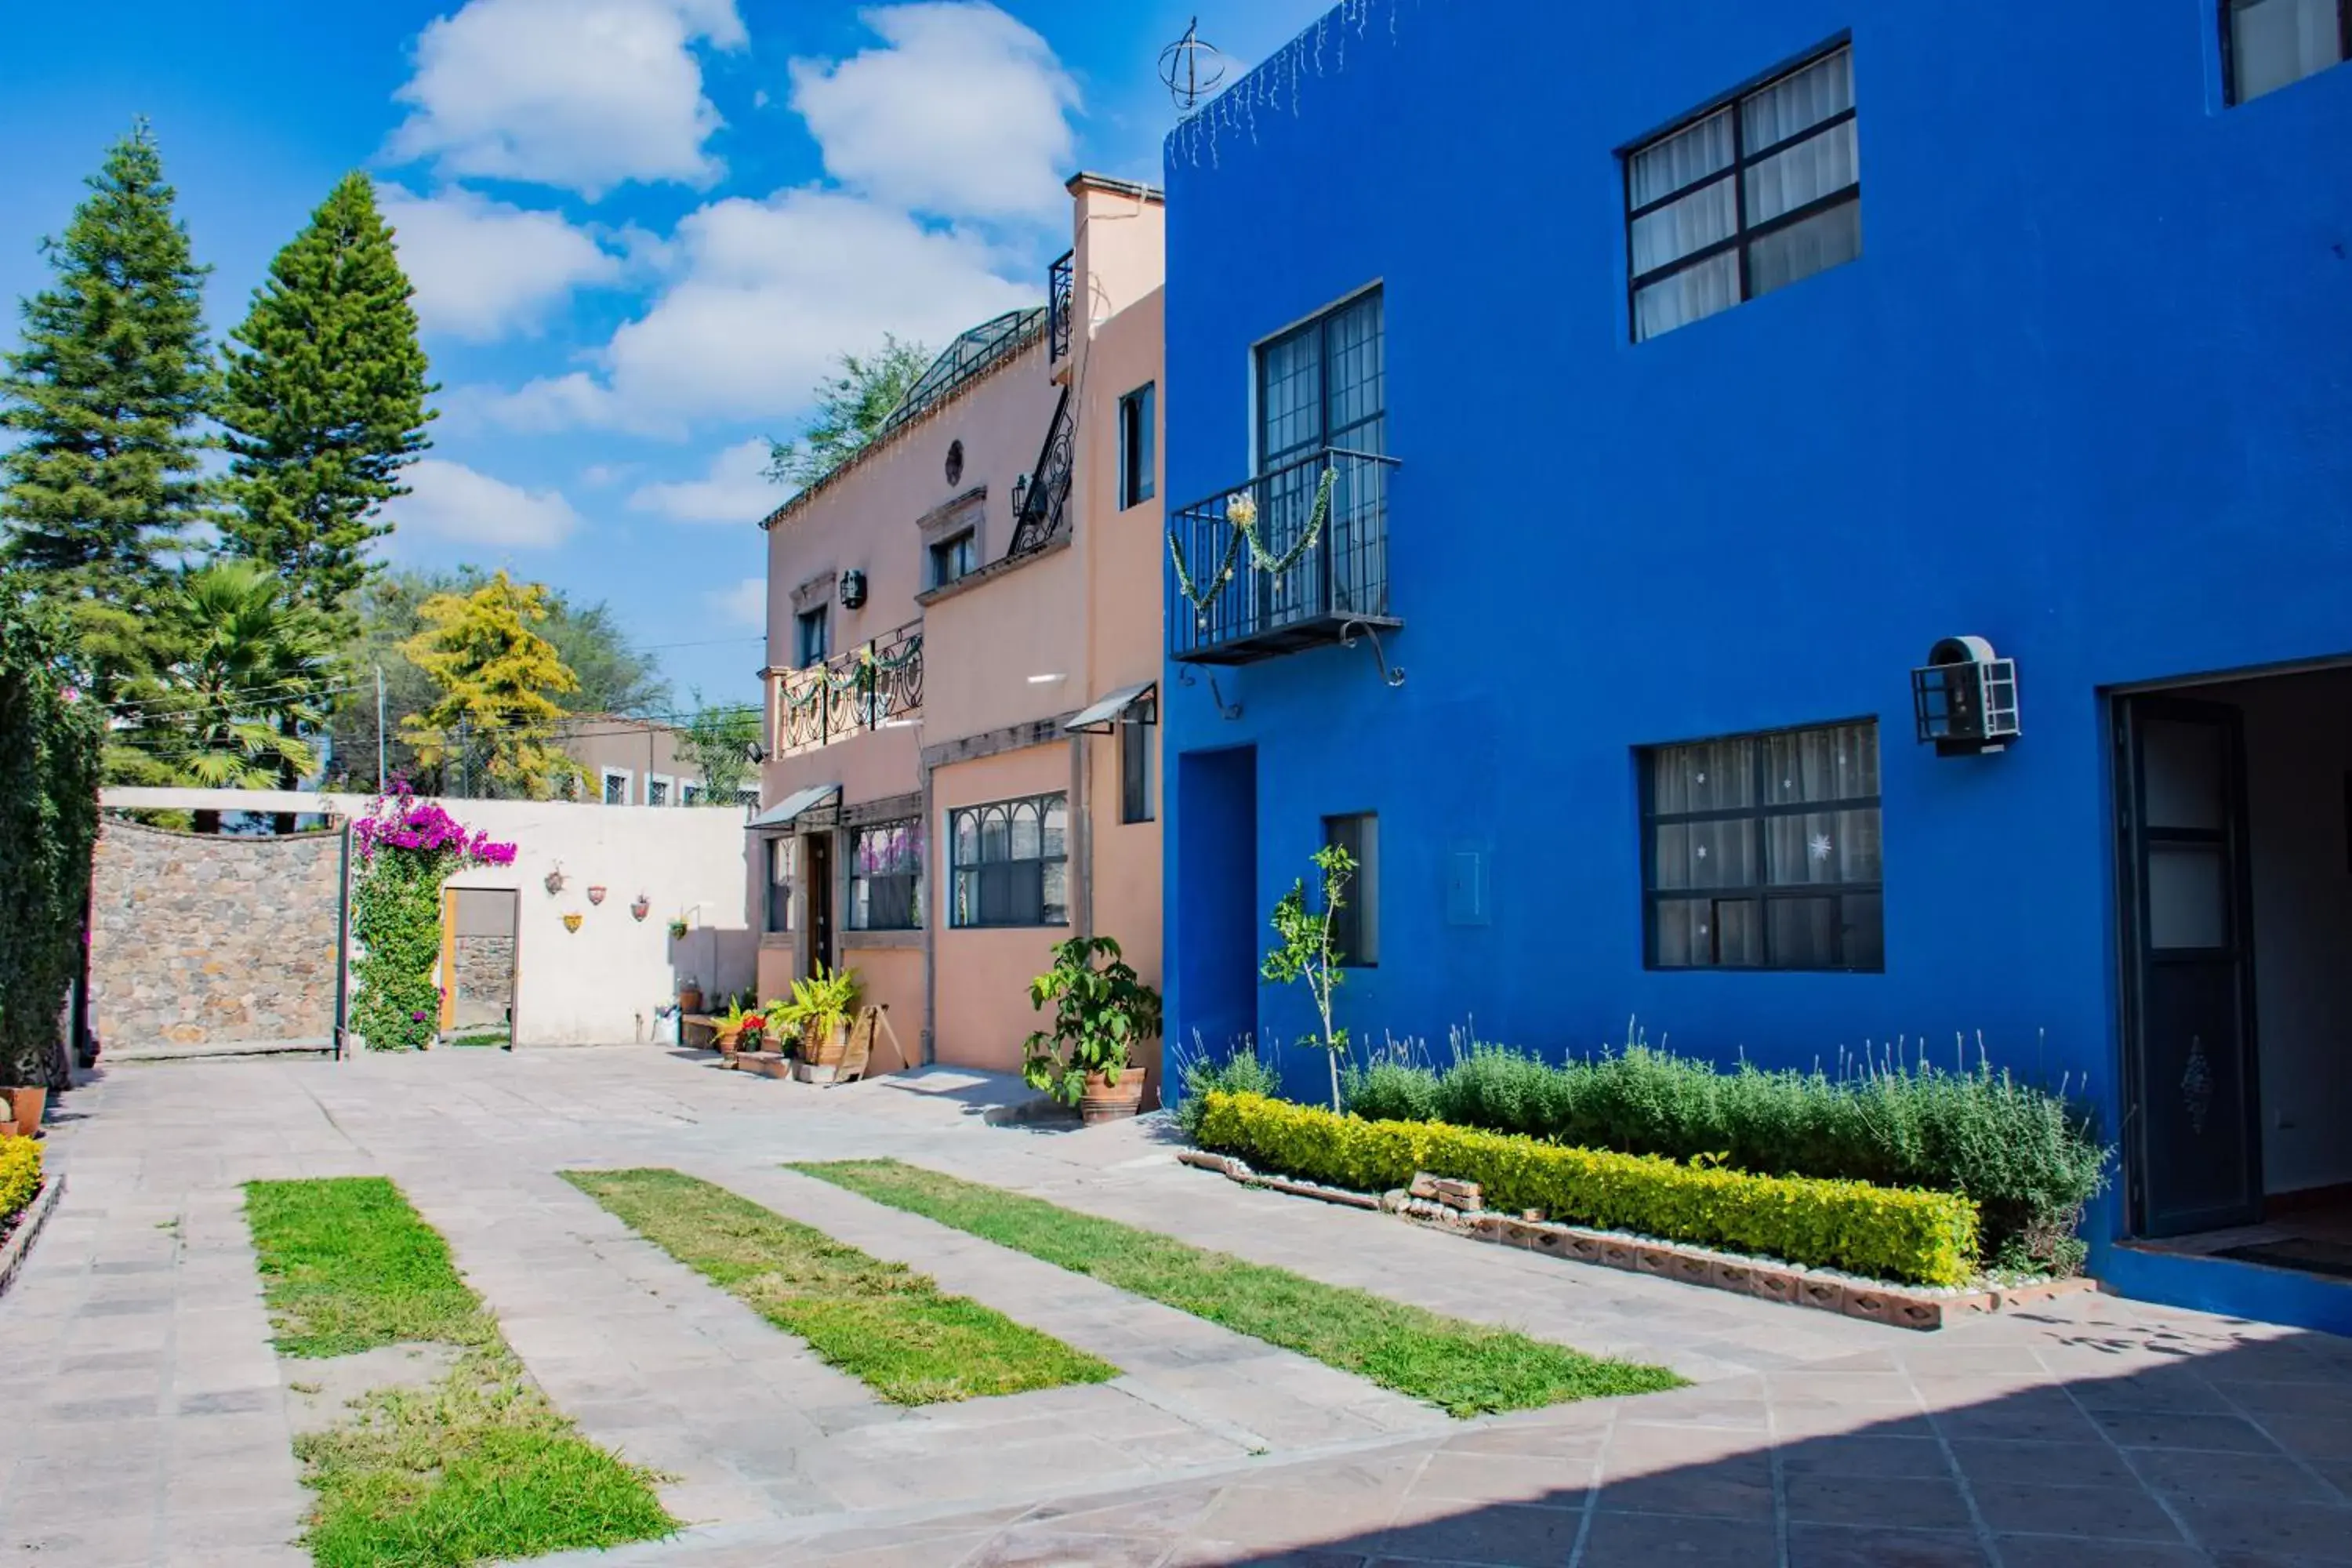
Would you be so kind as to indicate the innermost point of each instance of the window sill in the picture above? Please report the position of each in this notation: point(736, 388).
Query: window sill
point(989, 572)
point(882, 939)
point(1050, 925)
point(770, 939)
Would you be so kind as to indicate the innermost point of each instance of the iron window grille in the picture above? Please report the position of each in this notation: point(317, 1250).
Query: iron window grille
point(954, 559)
point(616, 786)
point(1762, 851)
point(1137, 743)
point(1356, 925)
point(885, 876)
point(2270, 44)
point(1011, 862)
point(783, 873)
point(1745, 196)
point(1138, 460)
point(815, 635)
point(656, 791)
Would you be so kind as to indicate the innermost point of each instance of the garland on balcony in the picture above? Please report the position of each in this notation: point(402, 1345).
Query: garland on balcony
point(855, 673)
point(1241, 517)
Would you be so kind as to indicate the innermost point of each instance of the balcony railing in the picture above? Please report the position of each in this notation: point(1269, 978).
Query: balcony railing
point(876, 685)
point(1318, 565)
point(1060, 292)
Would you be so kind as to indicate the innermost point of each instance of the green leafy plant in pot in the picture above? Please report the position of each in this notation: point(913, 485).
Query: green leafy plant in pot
point(820, 1012)
point(1102, 1013)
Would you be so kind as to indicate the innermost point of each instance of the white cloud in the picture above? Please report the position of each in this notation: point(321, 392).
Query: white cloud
point(584, 94)
point(735, 490)
point(964, 114)
point(767, 295)
point(483, 269)
point(746, 604)
point(451, 500)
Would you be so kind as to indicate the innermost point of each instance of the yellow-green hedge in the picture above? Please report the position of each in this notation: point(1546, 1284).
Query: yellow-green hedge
point(20, 1175)
point(1884, 1233)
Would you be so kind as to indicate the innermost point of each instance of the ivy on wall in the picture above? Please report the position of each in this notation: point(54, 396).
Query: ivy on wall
point(49, 830)
point(408, 849)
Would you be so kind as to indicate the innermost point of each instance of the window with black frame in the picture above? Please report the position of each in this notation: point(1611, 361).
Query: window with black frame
point(1138, 463)
point(1356, 928)
point(885, 876)
point(952, 560)
point(1762, 851)
point(783, 873)
point(1010, 862)
point(1325, 384)
point(1137, 742)
point(2271, 44)
point(815, 639)
point(1747, 197)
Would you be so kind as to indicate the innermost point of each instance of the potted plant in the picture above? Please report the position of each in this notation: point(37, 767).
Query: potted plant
point(1102, 1013)
point(25, 1108)
point(820, 1010)
point(728, 1029)
point(689, 995)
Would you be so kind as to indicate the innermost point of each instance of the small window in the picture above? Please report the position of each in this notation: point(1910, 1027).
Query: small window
point(1356, 928)
point(2271, 44)
point(1137, 743)
point(749, 795)
point(1762, 851)
point(689, 794)
point(783, 871)
point(1745, 199)
point(616, 786)
point(886, 877)
point(814, 639)
point(953, 559)
point(1138, 460)
point(656, 790)
point(1011, 862)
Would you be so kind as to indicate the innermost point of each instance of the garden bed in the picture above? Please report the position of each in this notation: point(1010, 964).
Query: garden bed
point(18, 1231)
point(1822, 1290)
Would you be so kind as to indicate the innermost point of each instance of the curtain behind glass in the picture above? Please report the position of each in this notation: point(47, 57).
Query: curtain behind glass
point(2275, 42)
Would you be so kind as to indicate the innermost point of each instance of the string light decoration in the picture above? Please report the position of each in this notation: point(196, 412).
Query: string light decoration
point(1277, 84)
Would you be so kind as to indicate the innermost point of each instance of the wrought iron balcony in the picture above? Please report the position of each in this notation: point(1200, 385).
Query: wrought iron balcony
point(1296, 558)
point(1060, 294)
point(874, 685)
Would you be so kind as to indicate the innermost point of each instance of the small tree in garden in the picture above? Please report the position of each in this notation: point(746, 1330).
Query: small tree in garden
point(1102, 1011)
point(408, 849)
point(1308, 953)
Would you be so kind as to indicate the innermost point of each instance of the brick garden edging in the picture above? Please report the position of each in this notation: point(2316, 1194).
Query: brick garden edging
point(28, 1226)
point(1897, 1306)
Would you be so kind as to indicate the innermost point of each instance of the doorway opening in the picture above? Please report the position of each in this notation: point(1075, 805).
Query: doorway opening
point(1213, 949)
point(2234, 805)
point(816, 861)
point(478, 930)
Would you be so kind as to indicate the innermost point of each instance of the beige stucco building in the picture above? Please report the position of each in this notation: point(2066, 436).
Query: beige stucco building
point(963, 642)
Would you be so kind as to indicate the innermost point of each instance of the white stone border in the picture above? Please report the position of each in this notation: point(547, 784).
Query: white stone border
point(28, 1226)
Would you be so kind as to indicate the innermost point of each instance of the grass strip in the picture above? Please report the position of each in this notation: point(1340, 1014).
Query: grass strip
point(475, 1468)
point(881, 1322)
point(1463, 1368)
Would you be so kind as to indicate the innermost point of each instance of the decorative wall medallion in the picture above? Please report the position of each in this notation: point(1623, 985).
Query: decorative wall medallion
point(554, 880)
point(572, 921)
point(640, 907)
point(595, 895)
point(955, 462)
point(2196, 1085)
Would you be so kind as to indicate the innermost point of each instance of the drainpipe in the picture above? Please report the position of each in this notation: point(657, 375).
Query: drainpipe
point(343, 936)
point(935, 850)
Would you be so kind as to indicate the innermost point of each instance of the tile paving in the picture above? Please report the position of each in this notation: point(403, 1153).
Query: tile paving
point(148, 1423)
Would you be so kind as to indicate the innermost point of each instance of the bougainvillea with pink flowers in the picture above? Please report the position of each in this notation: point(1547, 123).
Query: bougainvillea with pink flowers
point(408, 849)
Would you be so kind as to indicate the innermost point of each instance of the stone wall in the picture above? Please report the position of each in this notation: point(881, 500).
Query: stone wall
point(485, 967)
point(198, 939)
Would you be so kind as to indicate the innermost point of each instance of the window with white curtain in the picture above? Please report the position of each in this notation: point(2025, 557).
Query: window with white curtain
point(1762, 851)
point(1747, 198)
point(2273, 44)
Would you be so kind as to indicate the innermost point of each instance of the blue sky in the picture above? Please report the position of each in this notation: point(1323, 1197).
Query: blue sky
point(639, 229)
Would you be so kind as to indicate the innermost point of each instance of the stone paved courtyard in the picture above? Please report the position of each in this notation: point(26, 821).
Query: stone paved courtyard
point(147, 1421)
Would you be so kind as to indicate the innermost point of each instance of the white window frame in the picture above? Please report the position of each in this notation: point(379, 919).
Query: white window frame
point(669, 788)
point(604, 785)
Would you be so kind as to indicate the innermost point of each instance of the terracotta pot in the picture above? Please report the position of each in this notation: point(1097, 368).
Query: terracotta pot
point(1103, 1101)
point(824, 1050)
point(26, 1106)
point(689, 999)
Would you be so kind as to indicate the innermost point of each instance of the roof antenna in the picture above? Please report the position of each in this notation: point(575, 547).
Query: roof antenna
point(1188, 76)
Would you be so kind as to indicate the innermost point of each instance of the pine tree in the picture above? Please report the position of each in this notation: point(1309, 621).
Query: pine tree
point(105, 396)
point(323, 399)
point(498, 679)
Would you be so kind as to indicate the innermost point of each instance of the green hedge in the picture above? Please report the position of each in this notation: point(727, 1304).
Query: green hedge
point(20, 1175)
point(1883, 1233)
point(48, 827)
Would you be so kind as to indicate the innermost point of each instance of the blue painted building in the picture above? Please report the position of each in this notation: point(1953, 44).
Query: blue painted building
point(1685, 375)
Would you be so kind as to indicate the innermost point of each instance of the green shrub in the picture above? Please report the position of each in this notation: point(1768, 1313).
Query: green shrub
point(1929, 1238)
point(49, 748)
point(2027, 1156)
point(20, 1175)
point(1199, 1074)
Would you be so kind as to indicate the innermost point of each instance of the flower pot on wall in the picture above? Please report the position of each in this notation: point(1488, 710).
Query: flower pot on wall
point(689, 999)
point(640, 907)
point(595, 895)
point(571, 922)
point(1101, 1100)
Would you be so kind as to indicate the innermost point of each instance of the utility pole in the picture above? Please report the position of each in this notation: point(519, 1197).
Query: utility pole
point(379, 730)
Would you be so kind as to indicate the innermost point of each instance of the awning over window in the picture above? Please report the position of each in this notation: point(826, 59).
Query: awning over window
point(1137, 704)
point(787, 810)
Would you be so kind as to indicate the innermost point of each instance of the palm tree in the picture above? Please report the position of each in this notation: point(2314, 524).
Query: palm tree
point(247, 674)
